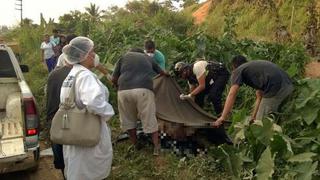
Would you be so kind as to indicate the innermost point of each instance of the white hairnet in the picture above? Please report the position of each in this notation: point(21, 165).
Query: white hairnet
point(77, 50)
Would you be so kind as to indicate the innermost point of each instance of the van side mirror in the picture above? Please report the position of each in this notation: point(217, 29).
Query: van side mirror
point(24, 68)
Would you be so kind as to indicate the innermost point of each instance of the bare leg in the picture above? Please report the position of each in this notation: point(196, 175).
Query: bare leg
point(133, 135)
point(155, 138)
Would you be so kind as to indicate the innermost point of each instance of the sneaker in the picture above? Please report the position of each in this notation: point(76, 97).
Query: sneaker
point(156, 150)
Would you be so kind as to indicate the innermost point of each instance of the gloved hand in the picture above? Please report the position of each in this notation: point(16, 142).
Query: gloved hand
point(185, 97)
point(109, 77)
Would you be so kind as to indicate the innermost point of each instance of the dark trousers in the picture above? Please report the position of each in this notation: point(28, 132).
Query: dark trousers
point(51, 63)
point(214, 93)
point(58, 156)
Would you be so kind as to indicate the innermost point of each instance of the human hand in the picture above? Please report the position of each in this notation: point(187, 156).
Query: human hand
point(218, 122)
point(109, 77)
point(164, 73)
point(185, 97)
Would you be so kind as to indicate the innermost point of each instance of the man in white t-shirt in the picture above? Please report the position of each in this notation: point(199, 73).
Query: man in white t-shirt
point(205, 78)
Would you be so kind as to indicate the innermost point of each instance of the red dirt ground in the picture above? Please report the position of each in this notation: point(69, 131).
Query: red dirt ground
point(312, 69)
point(201, 14)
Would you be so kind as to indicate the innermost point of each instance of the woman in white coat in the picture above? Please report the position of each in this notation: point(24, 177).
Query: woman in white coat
point(87, 163)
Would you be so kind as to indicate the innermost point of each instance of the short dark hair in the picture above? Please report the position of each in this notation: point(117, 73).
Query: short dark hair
point(138, 50)
point(55, 31)
point(70, 37)
point(238, 61)
point(149, 44)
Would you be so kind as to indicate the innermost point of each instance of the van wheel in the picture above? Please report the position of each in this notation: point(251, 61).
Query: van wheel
point(36, 156)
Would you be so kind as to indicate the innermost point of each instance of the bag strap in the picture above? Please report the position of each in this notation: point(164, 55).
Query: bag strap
point(70, 100)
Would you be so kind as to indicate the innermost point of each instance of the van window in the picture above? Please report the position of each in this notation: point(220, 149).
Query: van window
point(6, 67)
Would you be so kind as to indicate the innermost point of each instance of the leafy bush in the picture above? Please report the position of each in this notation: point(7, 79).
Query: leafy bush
point(282, 147)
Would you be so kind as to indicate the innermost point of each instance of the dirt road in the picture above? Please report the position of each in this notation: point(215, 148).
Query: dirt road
point(45, 171)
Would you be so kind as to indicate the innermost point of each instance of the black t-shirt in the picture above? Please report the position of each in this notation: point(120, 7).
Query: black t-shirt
point(135, 70)
point(262, 75)
point(55, 80)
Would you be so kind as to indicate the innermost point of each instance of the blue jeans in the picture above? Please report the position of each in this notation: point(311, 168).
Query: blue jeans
point(51, 63)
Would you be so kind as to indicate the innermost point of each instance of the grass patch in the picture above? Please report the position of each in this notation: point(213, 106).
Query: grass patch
point(256, 22)
point(143, 165)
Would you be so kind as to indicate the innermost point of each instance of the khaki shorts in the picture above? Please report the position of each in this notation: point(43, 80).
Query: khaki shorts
point(137, 104)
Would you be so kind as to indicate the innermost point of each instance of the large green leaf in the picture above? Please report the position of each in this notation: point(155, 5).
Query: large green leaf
point(281, 146)
point(233, 161)
point(238, 116)
point(263, 131)
point(239, 136)
point(303, 157)
point(276, 128)
point(239, 130)
point(305, 170)
point(290, 175)
point(265, 167)
point(245, 158)
point(311, 133)
point(304, 97)
point(314, 84)
point(309, 113)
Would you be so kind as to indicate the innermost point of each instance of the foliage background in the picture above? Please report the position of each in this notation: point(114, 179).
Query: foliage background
point(285, 146)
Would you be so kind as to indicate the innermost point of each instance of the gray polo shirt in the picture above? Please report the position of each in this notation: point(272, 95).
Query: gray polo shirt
point(135, 70)
point(262, 75)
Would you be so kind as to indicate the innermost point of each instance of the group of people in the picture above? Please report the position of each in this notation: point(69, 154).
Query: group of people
point(133, 78)
point(51, 48)
point(209, 78)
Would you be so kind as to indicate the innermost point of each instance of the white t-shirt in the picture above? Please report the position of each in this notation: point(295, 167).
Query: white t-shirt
point(199, 68)
point(61, 61)
point(48, 49)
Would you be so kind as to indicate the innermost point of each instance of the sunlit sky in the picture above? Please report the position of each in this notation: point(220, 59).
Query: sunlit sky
point(49, 8)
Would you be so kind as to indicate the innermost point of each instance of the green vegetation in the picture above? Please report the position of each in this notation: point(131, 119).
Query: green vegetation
point(285, 146)
point(261, 20)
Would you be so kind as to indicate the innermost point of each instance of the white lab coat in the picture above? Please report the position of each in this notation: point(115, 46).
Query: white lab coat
point(89, 163)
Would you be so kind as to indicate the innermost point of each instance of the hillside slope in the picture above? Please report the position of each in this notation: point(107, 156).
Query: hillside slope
point(260, 20)
point(201, 13)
